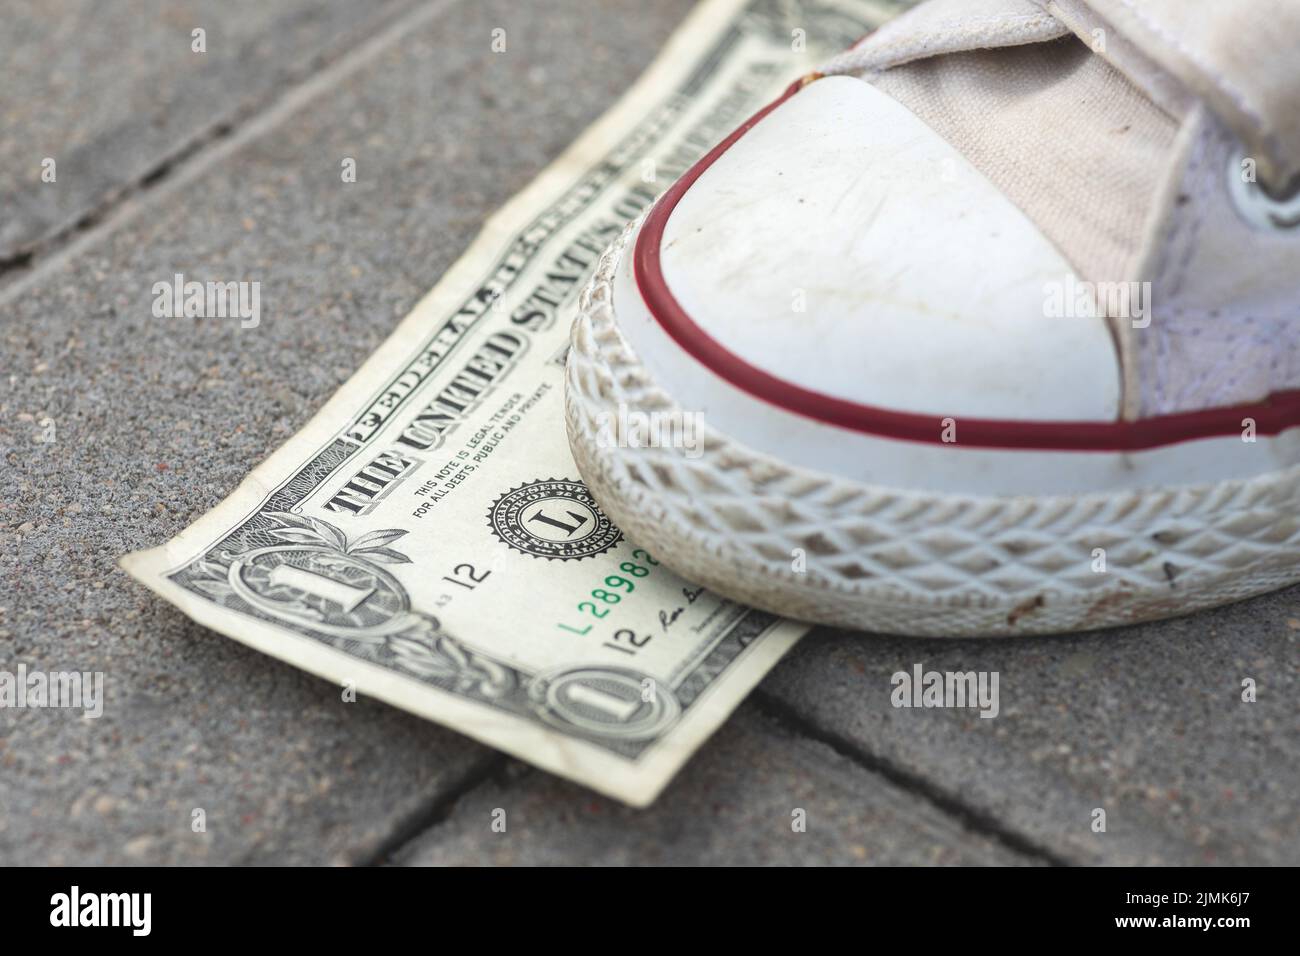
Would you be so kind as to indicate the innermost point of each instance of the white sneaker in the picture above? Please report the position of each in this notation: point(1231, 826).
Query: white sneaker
point(994, 331)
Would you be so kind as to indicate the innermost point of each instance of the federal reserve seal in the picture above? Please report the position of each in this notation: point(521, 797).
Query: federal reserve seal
point(552, 518)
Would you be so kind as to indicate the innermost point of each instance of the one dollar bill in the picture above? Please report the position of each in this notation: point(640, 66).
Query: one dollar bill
point(427, 540)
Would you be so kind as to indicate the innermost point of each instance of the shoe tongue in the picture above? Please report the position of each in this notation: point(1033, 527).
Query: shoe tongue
point(1238, 57)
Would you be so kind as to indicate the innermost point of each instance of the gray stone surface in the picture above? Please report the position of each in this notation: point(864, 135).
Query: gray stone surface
point(157, 420)
point(113, 91)
point(1146, 722)
point(735, 804)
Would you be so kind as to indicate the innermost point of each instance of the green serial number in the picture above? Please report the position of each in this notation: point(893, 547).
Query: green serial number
point(616, 587)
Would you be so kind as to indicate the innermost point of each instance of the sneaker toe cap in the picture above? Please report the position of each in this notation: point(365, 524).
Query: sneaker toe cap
point(844, 246)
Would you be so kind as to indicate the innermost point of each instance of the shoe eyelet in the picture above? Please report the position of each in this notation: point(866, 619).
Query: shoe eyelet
point(1264, 208)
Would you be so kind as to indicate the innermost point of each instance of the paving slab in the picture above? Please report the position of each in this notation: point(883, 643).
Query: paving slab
point(1146, 723)
point(741, 801)
point(155, 420)
point(113, 92)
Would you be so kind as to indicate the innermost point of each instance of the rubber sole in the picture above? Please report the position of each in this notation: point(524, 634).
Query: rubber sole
point(823, 548)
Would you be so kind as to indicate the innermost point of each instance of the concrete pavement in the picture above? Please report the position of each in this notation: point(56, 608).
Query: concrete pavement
point(236, 172)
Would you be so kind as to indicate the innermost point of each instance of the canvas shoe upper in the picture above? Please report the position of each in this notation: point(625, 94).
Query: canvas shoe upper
point(1003, 216)
point(1161, 146)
